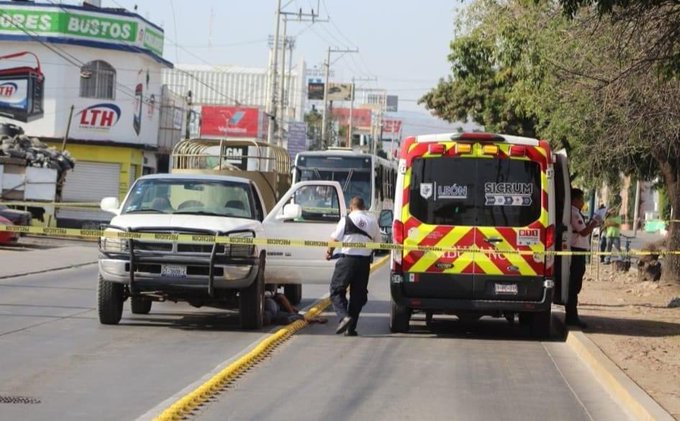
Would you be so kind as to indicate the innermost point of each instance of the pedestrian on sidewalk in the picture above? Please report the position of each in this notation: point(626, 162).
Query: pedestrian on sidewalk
point(612, 226)
point(580, 244)
point(353, 266)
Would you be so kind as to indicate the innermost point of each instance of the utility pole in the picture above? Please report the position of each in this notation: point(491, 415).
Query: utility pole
point(324, 119)
point(274, 109)
point(271, 109)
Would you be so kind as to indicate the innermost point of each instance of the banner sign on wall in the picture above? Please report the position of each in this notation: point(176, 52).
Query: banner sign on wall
point(75, 23)
point(21, 89)
point(231, 121)
point(339, 92)
point(315, 91)
point(391, 125)
point(361, 117)
point(297, 138)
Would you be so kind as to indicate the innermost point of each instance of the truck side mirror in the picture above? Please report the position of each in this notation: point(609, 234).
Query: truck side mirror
point(291, 211)
point(110, 204)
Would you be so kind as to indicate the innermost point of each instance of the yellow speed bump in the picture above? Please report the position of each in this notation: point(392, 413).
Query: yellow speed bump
point(185, 405)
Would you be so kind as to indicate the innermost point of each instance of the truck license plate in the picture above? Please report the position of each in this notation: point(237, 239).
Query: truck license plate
point(174, 271)
point(508, 289)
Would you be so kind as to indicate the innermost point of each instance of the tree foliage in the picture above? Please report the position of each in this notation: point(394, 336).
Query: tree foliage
point(593, 85)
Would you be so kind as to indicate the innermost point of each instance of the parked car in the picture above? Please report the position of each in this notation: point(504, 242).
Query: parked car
point(7, 237)
point(17, 216)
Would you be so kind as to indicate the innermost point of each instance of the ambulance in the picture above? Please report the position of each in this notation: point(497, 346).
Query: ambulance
point(477, 216)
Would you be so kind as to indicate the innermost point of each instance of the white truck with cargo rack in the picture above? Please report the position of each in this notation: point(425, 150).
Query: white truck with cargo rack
point(204, 272)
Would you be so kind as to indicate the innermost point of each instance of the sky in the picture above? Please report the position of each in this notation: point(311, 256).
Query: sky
point(402, 43)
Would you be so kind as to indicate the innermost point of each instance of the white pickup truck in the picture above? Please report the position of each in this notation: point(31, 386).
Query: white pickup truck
point(205, 273)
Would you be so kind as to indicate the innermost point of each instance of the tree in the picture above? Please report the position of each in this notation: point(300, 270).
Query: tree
point(313, 119)
point(523, 67)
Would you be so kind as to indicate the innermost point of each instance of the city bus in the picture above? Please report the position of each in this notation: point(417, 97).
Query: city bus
point(369, 176)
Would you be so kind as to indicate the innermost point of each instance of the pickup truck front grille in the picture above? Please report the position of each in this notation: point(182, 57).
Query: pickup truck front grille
point(152, 246)
point(199, 248)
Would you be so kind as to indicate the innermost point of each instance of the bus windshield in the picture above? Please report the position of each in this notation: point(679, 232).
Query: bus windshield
point(353, 174)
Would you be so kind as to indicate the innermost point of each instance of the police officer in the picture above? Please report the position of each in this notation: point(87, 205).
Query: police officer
point(580, 243)
point(353, 267)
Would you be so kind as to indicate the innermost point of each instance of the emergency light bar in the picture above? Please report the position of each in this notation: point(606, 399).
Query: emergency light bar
point(478, 137)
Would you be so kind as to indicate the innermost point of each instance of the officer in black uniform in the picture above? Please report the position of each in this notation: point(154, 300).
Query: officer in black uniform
point(354, 265)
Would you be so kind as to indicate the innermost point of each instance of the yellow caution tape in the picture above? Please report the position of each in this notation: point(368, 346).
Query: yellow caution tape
point(226, 239)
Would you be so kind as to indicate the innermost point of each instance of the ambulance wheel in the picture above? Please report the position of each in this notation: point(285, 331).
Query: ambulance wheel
point(524, 318)
point(400, 318)
point(540, 324)
point(428, 319)
point(140, 305)
point(293, 292)
point(110, 298)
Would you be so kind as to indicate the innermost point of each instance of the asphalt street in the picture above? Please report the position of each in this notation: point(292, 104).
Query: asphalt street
point(63, 364)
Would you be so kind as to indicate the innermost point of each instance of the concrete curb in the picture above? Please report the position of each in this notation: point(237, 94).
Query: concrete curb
point(631, 396)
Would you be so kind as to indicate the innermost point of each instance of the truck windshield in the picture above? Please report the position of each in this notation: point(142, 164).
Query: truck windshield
point(199, 197)
point(353, 174)
point(475, 192)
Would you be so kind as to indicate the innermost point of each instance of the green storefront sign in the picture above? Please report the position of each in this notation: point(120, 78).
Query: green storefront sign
point(81, 25)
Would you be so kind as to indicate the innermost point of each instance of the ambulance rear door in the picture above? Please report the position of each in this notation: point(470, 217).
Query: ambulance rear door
point(511, 219)
point(439, 212)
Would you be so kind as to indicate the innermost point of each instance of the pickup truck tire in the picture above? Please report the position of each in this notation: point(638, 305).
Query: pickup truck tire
point(293, 292)
point(251, 302)
point(140, 305)
point(110, 297)
point(540, 324)
point(400, 318)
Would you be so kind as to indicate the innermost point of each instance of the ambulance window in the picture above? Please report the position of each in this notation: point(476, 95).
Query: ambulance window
point(469, 191)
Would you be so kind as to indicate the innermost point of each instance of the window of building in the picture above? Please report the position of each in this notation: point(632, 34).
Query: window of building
point(98, 80)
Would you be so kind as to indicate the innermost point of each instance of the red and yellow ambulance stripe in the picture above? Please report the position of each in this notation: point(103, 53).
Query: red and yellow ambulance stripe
point(502, 258)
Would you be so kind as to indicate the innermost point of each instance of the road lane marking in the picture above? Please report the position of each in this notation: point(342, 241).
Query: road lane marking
point(191, 401)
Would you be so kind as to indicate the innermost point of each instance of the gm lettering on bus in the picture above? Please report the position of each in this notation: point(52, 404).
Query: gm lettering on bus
point(99, 116)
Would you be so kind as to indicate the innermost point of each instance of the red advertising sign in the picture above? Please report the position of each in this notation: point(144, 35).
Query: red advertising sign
point(391, 125)
point(361, 117)
point(230, 121)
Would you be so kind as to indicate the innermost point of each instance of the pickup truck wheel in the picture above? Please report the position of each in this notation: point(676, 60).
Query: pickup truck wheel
point(293, 292)
point(540, 324)
point(140, 305)
point(110, 297)
point(400, 318)
point(251, 302)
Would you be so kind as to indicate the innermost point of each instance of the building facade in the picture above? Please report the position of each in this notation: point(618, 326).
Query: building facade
point(91, 76)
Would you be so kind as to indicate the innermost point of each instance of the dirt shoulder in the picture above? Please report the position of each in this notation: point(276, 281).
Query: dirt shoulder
point(631, 323)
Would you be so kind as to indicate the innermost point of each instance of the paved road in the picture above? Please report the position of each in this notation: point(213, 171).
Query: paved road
point(53, 349)
point(487, 371)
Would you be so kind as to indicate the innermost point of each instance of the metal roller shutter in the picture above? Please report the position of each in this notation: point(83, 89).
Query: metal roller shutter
point(89, 182)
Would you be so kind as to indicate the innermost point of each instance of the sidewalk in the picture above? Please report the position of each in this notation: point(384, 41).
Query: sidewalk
point(25, 262)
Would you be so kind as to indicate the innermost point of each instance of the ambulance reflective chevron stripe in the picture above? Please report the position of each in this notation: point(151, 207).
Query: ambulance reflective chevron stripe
point(497, 249)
